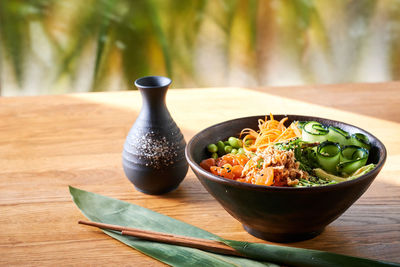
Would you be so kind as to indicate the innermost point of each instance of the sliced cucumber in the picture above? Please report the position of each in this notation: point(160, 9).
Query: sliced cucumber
point(348, 153)
point(359, 139)
point(328, 156)
point(352, 158)
point(338, 135)
point(314, 132)
point(300, 124)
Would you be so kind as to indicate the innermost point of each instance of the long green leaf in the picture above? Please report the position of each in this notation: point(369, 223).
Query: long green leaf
point(301, 257)
point(107, 210)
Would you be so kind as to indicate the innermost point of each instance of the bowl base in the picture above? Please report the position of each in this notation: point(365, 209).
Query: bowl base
point(158, 192)
point(282, 238)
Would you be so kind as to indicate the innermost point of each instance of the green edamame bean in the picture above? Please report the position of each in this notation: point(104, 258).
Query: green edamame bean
point(235, 142)
point(240, 142)
point(221, 148)
point(232, 141)
point(241, 151)
point(234, 151)
point(212, 148)
point(228, 149)
point(214, 155)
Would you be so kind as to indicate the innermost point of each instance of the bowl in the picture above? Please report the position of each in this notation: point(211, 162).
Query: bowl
point(280, 214)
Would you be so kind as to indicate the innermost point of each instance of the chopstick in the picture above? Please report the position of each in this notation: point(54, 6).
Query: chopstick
point(192, 242)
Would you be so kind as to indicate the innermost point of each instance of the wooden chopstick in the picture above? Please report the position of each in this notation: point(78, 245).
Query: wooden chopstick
point(192, 242)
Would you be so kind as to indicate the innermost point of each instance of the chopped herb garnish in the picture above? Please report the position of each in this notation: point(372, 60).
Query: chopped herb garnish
point(260, 163)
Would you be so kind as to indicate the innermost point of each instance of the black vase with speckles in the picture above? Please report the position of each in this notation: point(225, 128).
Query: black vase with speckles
point(154, 151)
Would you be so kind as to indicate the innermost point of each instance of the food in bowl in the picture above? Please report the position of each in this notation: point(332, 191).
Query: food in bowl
point(304, 154)
point(280, 213)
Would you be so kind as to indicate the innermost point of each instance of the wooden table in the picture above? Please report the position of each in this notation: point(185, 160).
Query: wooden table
point(50, 142)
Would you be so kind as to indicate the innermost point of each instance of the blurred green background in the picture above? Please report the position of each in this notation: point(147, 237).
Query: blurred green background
point(62, 46)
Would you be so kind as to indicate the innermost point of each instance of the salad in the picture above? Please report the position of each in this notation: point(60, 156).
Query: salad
point(306, 153)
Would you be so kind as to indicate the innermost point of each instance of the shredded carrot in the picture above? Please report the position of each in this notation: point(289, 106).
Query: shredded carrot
point(270, 132)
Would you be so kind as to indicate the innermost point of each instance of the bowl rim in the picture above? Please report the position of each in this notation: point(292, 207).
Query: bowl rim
point(196, 167)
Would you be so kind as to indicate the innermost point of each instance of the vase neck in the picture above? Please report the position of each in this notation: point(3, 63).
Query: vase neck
point(154, 90)
point(153, 106)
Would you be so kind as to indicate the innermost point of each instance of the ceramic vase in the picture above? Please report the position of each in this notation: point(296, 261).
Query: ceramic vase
point(153, 157)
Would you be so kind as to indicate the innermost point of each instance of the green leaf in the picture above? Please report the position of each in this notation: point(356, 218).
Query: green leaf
point(103, 209)
point(108, 210)
point(301, 257)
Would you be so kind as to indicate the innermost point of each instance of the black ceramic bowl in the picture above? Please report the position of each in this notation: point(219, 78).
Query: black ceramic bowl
point(281, 214)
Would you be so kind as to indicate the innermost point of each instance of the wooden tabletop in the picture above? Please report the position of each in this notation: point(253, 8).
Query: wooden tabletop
point(50, 142)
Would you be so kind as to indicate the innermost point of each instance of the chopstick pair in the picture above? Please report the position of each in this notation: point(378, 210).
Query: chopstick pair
point(203, 244)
